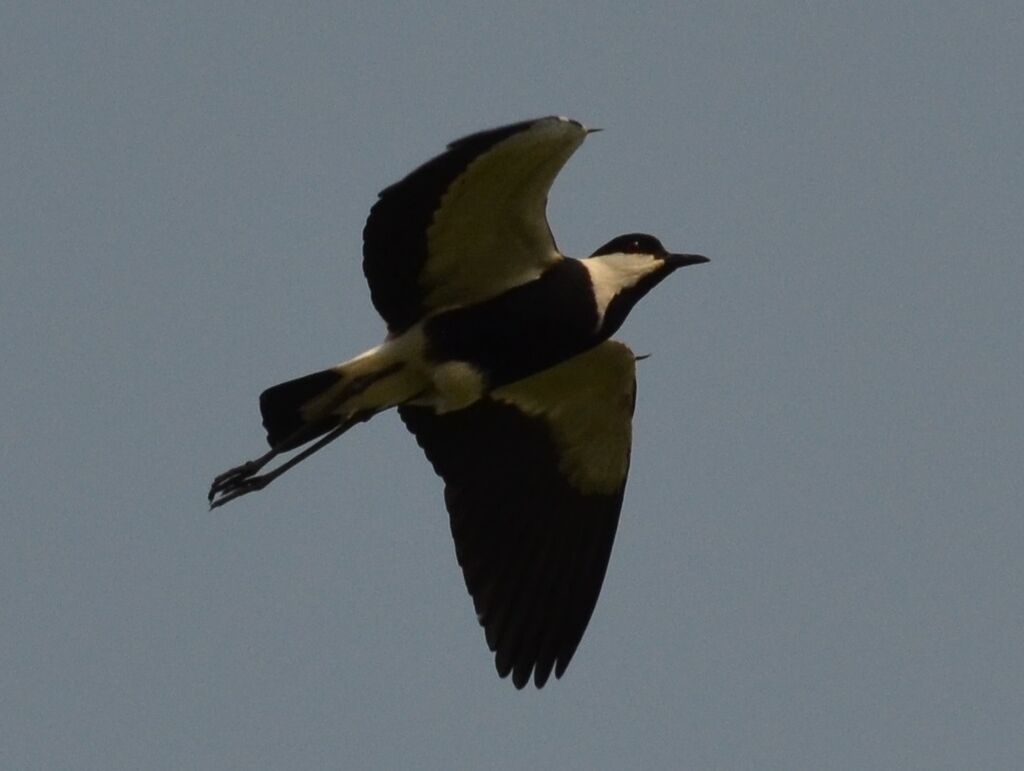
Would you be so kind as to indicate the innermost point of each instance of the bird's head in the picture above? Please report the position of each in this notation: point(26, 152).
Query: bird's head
point(625, 269)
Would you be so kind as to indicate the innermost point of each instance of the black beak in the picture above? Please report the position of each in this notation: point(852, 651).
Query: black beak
point(682, 260)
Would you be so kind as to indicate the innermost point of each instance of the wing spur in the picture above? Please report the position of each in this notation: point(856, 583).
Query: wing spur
point(468, 224)
point(534, 479)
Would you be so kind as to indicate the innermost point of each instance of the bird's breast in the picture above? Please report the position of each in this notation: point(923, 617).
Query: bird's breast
point(522, 331)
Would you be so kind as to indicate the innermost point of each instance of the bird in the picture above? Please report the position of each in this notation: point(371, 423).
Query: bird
point(499, 359)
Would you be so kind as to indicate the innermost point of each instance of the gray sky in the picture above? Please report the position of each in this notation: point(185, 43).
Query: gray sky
point(819, 559)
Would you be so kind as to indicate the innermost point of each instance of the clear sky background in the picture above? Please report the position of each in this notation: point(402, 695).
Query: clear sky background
point(819, 562)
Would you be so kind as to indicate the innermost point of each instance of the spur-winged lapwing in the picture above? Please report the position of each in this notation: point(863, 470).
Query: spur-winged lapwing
point(499, 361)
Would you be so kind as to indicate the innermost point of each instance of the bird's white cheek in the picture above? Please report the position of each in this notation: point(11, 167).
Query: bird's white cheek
point(611, 278)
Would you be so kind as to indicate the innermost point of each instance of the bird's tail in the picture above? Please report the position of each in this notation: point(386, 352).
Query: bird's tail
point(282, 407)
point(298, 411)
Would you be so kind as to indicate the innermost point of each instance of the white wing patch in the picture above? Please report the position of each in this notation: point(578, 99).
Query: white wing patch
point(490, 232)
point(587, 403)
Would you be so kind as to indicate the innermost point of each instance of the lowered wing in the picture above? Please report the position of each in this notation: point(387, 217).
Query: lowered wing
point(534, 479)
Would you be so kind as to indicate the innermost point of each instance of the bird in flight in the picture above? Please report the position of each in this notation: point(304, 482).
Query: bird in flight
point(499, 359)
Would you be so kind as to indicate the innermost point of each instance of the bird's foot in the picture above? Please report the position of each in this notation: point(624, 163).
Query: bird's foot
point(236, 482)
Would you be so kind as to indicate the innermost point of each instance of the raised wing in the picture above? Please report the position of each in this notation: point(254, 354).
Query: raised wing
point(534, 478)
point(468, 224)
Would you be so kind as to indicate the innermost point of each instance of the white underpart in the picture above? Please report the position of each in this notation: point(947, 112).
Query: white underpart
point(403, 354)
point(446, 387)
point(610, 274)
point(456, 384)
